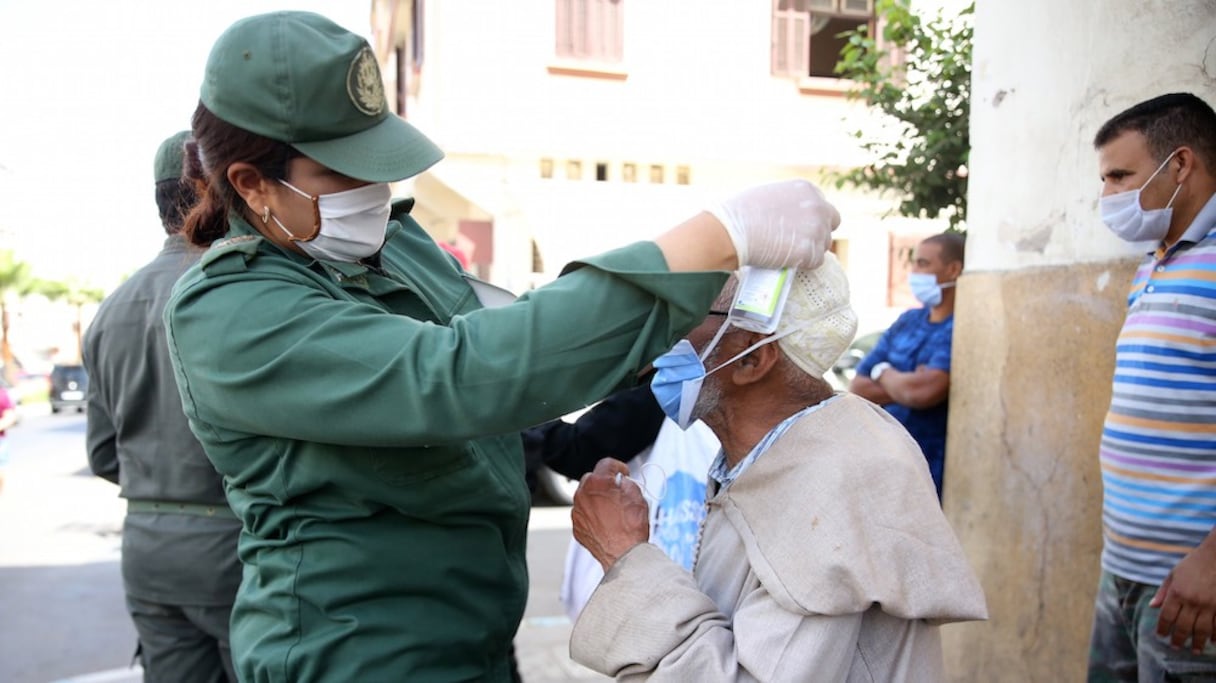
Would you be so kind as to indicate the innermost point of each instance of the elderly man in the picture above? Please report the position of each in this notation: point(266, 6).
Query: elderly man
point(908, 371)
point(824, 554)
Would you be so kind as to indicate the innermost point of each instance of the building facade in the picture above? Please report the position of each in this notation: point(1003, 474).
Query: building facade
point(574, 126)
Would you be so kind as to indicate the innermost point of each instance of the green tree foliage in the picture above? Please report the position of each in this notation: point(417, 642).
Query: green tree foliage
point(919, 76)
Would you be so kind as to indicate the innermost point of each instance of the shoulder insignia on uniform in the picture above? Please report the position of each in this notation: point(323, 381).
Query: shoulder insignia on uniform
point(236, 240)
point(214, 261)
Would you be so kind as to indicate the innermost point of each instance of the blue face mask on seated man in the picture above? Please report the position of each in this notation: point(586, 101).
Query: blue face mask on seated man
point(926, 289)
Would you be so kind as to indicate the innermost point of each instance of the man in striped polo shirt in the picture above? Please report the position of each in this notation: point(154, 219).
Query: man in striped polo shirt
point(1156, 605)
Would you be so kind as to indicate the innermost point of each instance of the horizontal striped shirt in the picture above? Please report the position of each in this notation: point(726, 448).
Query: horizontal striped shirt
point(1158, 449)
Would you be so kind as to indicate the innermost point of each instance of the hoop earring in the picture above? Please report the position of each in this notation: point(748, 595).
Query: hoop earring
point(265, 215)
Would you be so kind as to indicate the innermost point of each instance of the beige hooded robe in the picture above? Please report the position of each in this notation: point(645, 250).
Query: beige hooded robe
point(828, 559)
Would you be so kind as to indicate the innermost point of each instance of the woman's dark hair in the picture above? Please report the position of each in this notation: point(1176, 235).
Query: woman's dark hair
point(216, 146)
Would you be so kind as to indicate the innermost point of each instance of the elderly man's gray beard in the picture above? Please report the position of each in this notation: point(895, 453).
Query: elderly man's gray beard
point(709, 399)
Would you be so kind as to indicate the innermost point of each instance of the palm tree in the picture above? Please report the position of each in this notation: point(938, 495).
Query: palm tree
point(77, 295)
point(15, 279)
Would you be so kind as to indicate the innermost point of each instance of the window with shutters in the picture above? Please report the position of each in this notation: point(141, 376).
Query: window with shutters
point(590, 30)
point(407, 56)
point(806, 34)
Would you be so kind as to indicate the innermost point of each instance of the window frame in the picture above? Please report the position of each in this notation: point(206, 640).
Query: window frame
point(791, 39)
point(589, 31)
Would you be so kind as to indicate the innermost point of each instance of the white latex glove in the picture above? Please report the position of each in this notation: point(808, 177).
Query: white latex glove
point(786, 223)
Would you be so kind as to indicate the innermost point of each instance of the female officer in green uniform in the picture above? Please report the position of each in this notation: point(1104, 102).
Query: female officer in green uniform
point(362, 406)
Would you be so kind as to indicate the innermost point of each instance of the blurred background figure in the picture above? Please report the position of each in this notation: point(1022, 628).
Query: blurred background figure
point(456, 252)
point(8, 418)
point(908, 371)
point(179, 563)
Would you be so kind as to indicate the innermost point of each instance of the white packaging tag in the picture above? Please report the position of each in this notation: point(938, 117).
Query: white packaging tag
point(761, 298)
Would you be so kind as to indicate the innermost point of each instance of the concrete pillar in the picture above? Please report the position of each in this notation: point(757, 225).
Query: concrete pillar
point(1039, 308)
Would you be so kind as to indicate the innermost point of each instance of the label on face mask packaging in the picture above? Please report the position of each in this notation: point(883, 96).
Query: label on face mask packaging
point(761, 298)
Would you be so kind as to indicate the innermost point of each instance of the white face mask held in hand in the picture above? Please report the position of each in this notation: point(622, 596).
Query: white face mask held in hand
point(349, 225)
point(1125, 217)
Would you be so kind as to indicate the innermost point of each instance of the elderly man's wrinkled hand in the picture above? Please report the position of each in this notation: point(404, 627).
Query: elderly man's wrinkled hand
point(1187, 600)
point(786, 223)
point(610, 515)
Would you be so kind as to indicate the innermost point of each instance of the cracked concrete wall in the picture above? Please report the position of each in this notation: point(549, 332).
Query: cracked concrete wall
point(1038, 311)
point(1046, 75)
point(1033, 356)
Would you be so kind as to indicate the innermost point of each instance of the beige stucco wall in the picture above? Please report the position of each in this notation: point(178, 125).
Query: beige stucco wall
point(1033, 353)
point(1046, 75)
point(1039, 309)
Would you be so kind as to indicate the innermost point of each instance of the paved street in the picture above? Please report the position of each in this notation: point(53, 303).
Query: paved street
point(61, 606)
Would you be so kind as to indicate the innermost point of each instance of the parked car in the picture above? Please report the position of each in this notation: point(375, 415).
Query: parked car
point(845, 368)
point(68, 386)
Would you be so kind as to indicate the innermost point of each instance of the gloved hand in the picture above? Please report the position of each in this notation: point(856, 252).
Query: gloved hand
point(786, 223)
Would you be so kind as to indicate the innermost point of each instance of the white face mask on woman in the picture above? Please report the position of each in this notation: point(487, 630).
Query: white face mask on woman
point(349, 225)
point(1125, 217)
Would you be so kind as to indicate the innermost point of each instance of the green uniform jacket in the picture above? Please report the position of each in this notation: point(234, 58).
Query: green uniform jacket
point(366, 421)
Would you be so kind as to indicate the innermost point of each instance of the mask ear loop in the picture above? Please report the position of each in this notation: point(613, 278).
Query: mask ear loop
point(316, 214)
point(651, 496)
point(716, 338)
point(1154, 175)
point(767, 340)
point(1174, 196)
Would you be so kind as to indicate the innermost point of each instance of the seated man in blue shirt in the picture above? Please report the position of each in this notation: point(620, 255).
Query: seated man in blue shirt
point(908, 371)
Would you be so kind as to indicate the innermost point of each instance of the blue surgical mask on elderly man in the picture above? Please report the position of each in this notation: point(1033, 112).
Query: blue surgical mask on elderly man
point(677, 382)
point(926, 288)
point(680, 372)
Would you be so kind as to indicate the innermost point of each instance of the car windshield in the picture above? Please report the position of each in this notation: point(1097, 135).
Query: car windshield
point(69, 373)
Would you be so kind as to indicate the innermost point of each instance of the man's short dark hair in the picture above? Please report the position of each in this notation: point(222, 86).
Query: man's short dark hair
point(1168, 122)
point(174, 197)
point(953, 245)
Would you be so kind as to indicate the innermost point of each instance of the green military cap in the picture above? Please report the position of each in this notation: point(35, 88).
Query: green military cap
point(168, 162)
point(299, 78)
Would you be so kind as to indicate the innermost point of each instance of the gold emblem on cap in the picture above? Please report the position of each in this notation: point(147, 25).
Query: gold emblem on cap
point(364, 85)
